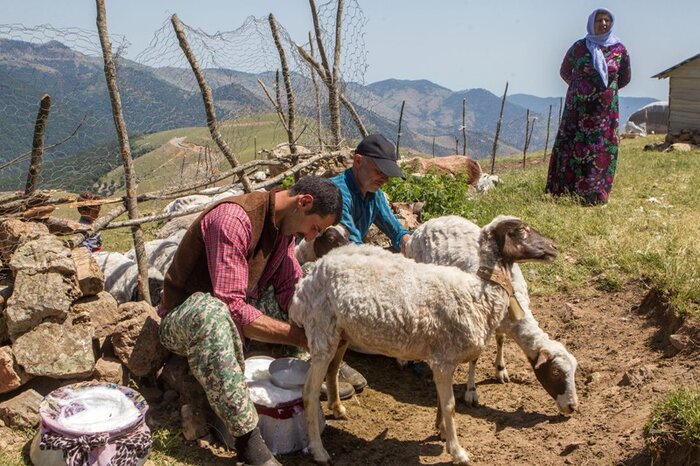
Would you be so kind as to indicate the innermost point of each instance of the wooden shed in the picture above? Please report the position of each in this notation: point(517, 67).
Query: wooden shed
point(683, 96)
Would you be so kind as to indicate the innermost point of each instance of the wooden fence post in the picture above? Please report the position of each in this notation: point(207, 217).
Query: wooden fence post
point(498, 130)
point(546, 141)
point(38, 145)
point(561, 110)
point(317, 93)
point(464, 126)
point(398, 133)
point(123, 136)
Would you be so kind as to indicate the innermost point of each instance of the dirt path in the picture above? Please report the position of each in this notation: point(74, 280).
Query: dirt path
point(391, 422)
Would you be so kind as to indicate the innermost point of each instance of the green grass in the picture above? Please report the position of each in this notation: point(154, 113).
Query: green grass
point(674, 425)
point(631, 238)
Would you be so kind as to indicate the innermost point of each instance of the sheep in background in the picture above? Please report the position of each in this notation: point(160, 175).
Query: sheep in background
point(121, 277)
point(374, 299)
point(453, 240)
point(487, 182)
point(333, 237)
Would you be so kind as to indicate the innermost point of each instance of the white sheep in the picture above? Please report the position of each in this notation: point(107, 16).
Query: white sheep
point(371, 298)
point(487, 182)
point(121, 277)
point(453, 240)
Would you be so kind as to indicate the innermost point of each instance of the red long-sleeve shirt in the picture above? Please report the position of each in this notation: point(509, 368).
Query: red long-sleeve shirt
point(227, 232)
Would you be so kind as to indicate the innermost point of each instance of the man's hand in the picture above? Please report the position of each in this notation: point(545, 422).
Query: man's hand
point(404, 242)
point(299, 334)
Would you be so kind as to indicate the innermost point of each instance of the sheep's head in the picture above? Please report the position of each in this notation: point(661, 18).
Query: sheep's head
point(555, 368)
point(333, 237)
point(518, 242)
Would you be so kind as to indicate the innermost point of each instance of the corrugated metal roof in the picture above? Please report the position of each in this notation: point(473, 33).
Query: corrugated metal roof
point(665, 73)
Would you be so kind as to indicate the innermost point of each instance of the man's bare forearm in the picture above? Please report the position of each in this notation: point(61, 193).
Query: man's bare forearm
point(269, 330)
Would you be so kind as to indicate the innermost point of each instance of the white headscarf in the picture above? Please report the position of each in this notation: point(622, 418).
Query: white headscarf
point(605, 40)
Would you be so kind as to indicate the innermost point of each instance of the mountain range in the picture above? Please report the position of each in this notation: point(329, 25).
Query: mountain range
point(159, 99)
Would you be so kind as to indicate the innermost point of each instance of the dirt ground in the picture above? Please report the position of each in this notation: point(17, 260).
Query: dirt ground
point(392, 421)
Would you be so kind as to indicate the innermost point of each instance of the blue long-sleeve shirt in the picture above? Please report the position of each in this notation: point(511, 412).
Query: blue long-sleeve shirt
point(360, 212)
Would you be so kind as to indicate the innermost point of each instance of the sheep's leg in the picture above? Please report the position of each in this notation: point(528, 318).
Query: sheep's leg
point(501, 371)
point(443, 382)
point(439, 422)
point(471, 397)
point(311, 393)
point(334, 403)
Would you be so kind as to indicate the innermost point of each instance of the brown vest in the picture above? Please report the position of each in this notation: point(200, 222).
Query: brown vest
point(189, 270)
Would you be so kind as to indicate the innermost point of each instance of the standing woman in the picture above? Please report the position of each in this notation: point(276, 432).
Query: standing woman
point(584, 155)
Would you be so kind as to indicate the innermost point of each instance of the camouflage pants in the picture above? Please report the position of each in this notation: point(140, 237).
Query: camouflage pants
point(201, 329)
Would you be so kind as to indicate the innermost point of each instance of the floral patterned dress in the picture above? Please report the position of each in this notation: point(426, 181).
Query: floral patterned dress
point(584, 156)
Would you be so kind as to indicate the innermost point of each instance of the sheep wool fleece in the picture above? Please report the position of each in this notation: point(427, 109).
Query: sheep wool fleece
point(202, 330)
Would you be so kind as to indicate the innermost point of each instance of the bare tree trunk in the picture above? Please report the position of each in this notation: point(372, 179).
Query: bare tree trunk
point(398, 133)
point(456, 145)
point(123, 136)
point(208, 101)
point(287, 85)
point(38, 145)
point(317, 93)
point(498, 130)
point(464, 126)
point(527, 135)
point(433, 146)
point(278, 91)
point(343, 99)
point(546, 141)
point(329, 76)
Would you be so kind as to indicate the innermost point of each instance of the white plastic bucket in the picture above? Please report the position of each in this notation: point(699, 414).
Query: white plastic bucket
point(280, 410)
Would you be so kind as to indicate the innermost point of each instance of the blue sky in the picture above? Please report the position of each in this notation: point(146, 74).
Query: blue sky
point(457, 44)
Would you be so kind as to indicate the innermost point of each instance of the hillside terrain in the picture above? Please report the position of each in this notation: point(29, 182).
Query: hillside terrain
point(163, 99)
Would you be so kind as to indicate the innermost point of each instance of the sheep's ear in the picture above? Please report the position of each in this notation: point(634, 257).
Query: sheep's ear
point(507, 246)
point(542, 358)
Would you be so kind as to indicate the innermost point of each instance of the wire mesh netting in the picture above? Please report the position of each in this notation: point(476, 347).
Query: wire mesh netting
point(161, 100)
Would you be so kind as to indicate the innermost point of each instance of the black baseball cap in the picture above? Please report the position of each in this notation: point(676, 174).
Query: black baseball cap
point(383, 152)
